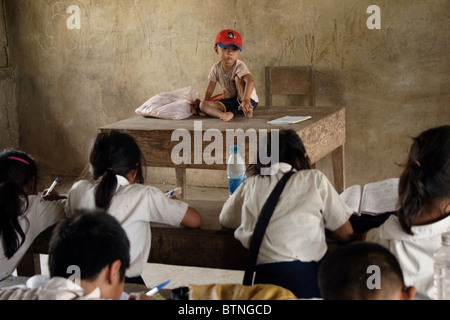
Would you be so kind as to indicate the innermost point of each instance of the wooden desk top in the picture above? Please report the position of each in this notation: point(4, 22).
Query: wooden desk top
point(262, 114)
point(321, 134)
point(209, 211)
point(210, 246)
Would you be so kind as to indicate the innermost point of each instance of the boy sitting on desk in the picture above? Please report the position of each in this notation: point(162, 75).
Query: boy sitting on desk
point(239, 94)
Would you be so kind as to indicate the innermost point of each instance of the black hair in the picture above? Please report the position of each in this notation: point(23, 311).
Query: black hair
point(344, 272)
point(90, 240)
point(17, 169)
point(291, 151)
point(113, 152)
point(426, 176)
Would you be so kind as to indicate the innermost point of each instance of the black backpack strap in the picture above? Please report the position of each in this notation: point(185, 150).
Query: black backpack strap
point(260, 228)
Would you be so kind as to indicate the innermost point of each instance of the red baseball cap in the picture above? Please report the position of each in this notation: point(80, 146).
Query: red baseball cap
point(229, 37)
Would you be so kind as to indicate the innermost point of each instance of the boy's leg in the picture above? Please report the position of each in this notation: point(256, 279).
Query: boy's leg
point(216, 109)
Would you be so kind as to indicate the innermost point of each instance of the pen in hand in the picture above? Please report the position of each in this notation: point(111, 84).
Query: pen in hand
point(51, 187)
point(154, 290)
point(171, 192)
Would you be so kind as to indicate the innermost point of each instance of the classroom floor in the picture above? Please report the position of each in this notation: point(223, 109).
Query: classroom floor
point(179, 276)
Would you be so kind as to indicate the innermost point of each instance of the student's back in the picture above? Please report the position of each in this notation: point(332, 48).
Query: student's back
point(295, 240)
point(23, 214)
point(116, 164)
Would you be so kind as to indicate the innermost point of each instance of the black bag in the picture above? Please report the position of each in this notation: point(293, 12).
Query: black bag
point(260, 228)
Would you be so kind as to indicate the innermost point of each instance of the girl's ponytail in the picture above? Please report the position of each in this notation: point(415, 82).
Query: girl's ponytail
point(411, 196)
point(113, 153)
point(106, 189)
point(17, 169)
point(13, 202)
point(426, 177)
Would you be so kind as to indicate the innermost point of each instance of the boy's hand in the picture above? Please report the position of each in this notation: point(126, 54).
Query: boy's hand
point(139, 296)
point(53, 196)
point(247, 108)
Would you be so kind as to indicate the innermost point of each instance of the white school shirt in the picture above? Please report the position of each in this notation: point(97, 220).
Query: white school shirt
point(134, 206)
point(308, 205)
point(39, 215)
point(55, 288)
point(414, 252)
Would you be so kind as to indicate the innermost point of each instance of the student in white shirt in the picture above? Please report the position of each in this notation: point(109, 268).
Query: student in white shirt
point(88, 254)
point(23, 214)
point(295, 239)
point(414, 234)
point(116, 167)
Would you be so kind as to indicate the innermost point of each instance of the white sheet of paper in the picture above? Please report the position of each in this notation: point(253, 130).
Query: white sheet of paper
point(289, 120)
point(380, 197)
point(352, 197)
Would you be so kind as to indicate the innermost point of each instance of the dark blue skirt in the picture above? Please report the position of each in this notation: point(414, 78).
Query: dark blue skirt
point(297, 276)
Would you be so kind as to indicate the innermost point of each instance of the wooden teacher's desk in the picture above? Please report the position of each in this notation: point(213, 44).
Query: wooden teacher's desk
point(323, 134)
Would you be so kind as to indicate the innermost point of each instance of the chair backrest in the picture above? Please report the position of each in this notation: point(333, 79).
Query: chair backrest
point(295, 80)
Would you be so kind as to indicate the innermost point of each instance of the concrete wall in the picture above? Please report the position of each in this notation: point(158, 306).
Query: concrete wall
point(393, 81)
point(9, 122)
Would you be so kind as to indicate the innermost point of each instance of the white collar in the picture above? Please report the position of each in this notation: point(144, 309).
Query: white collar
point(279, 166)
point(121, 180)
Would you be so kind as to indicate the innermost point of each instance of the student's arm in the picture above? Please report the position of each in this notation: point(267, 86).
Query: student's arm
point(192, 218)
point(343, 233)
point(209, 90)
point(230, 215)
point(249, 85)
point(248, 89)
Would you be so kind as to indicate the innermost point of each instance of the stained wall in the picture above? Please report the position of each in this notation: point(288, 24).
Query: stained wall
point(393, 81)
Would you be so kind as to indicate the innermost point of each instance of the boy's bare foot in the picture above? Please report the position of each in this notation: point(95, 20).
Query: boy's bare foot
point(196, 107)
point(226, 116)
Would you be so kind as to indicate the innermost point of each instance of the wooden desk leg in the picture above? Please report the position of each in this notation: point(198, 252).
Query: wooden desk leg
point(337, 157)
point(29, 266)
point(180, 173)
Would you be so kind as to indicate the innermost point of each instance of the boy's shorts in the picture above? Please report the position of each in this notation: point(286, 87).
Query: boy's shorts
point(232, 105)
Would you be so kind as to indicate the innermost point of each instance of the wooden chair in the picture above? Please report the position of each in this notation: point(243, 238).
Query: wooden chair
point(295, 80)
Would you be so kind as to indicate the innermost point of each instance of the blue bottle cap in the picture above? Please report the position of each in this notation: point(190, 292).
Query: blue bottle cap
point(234, 149)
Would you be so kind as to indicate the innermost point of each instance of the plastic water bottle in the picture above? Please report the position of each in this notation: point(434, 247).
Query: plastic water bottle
point(235, 169)
point(442, 269)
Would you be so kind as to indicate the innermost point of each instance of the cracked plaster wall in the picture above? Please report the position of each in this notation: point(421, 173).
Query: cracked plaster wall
point(394, 82)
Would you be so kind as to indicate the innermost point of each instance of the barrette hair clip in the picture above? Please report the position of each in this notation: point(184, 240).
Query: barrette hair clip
point(19, 159)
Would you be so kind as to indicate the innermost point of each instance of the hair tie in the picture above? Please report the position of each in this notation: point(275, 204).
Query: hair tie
point(110, 169)
point(417, 163)
point(19, 159)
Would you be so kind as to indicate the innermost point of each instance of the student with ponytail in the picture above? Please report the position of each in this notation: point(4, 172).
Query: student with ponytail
point(116, 166)
point(308, 209)
point(23, 214)
point(414, 233)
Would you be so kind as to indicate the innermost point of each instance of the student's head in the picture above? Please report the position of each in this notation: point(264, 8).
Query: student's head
point(290, 150)
point(114, 153)
point(228, 37)
point(19, 168)
point(18, 179)
point(362, 271)
point(425, 182)
point(94, 244)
